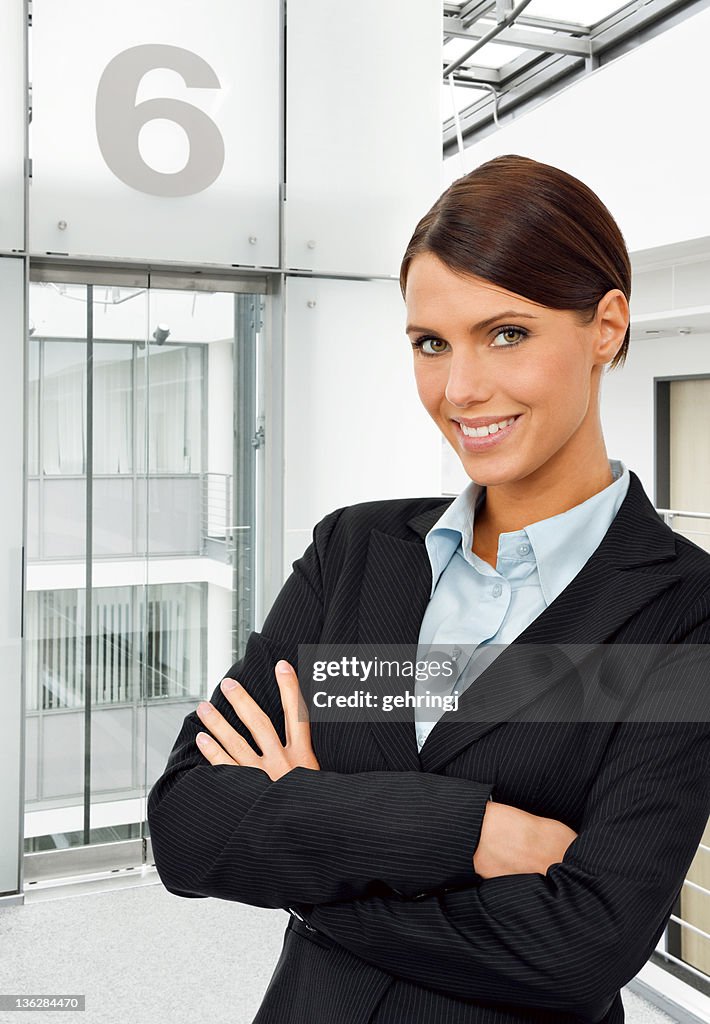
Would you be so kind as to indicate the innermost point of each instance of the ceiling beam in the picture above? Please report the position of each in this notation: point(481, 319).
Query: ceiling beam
point(557, 26)
point(490, 35)
point(535, 74)
point(473, 10)
point(524, 38)
point(628, 23)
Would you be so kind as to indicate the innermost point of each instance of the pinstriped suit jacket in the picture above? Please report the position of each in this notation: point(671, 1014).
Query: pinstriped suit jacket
point(373, 854)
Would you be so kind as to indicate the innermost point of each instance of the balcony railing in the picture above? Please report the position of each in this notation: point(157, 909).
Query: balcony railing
point(216, 515)
point(685, 943)
point(693, 525)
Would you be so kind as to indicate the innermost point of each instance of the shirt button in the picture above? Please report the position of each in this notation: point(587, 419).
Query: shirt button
point(523, 549)
point(497, 590)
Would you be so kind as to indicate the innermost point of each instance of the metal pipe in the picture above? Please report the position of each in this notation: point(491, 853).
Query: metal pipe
point(456, 115)
point(691, 927)
point(687, 515)
point(508, 20)
point(457, 121)
point(485, 85)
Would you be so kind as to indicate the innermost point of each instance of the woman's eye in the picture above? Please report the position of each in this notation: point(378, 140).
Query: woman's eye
point(439, 345)
point(429, 345)
point(519, 334)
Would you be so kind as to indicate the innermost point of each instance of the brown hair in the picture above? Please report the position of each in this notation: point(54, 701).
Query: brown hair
point(532, 229)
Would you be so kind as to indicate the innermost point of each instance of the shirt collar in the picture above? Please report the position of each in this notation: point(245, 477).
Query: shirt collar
point(561, 544)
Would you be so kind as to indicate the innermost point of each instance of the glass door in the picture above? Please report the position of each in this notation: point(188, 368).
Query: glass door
point(144, 454)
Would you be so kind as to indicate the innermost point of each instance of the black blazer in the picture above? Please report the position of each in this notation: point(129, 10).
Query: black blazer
point(373, 854)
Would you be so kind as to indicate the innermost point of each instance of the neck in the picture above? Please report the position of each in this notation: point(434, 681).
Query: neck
point(547, 492)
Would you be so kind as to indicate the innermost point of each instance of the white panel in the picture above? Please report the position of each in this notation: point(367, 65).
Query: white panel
point(12, 126)
point(155, 130)
point(629, 134)
point(363, 133)
point(628, 398)
point(11, 391)
point(691, 285)
point(355, 427)
point(652, 291)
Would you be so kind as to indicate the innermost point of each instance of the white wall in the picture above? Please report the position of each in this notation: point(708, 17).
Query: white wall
point(363, 136)
point(355, 427)
point(670, 298)
point(363, 131)
point(633, 131)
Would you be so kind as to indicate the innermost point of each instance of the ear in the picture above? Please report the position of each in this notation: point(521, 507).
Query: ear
point(612, 320)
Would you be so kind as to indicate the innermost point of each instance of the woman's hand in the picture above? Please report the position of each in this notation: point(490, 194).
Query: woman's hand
point(276, 760)
point(515, 842)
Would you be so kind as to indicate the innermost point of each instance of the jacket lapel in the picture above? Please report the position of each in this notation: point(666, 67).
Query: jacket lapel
point(615, 583)
point(393, 599)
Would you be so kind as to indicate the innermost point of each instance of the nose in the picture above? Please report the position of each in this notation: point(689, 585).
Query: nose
point(469, 382)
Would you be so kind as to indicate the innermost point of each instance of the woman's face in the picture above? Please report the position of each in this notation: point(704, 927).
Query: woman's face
point(481, 352)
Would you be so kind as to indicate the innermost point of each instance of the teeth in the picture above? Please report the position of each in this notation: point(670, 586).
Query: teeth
point(492, 428)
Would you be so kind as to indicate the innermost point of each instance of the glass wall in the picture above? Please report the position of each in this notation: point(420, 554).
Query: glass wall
point(143, 415)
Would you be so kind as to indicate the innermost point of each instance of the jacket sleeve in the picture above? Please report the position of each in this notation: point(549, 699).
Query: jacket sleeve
point(568, 940)
point(229, 832)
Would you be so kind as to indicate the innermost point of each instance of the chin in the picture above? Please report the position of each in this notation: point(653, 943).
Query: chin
point(491, 475)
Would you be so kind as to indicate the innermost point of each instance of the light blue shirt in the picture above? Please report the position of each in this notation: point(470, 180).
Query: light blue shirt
point(474, 604)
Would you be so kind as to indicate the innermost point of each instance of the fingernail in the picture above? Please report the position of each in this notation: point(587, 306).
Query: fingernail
point(283, 666)
point(204, 707)
point(203, 739)
point(229, 684)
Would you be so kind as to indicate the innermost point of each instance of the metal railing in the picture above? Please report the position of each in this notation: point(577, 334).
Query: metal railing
point(217, 528)
point(674, 517)
point(684, 943)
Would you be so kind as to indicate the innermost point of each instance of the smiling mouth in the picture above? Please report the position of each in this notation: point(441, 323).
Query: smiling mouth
point(487, 431)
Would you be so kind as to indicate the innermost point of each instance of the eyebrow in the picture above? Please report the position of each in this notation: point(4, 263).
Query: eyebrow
point(482, 324)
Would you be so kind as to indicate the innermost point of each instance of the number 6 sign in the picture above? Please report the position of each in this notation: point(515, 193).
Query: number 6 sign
point(155, 134)
point(119, 120)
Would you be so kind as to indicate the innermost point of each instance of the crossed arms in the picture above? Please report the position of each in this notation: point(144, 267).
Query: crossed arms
point(343, 846)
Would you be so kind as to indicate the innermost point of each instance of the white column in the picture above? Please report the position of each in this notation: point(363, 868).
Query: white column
point(12, 332)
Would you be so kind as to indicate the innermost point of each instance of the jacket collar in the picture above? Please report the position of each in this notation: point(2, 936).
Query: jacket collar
point(630, 568)
point(637, 535)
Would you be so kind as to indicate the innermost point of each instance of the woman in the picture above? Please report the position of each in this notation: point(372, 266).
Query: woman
point(473, 868)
